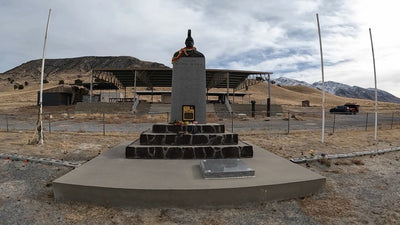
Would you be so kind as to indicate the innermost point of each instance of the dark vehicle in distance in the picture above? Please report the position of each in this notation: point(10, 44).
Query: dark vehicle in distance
point(341, 109)
point(354, 108)
point(348, 108)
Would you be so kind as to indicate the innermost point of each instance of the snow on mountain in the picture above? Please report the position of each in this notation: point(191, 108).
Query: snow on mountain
point(342, 90)
point(331, 87)
point(291, 82)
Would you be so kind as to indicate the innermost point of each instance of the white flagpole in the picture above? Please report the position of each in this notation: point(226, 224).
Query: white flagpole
point(41, 82)
point(376, 89)
point(323, 82)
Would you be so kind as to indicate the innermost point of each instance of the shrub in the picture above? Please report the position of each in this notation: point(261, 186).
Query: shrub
point(78, 82)
point(26, 83)
point(61, 82)
point(20, 86)
point(45, 81)
point(15, 86)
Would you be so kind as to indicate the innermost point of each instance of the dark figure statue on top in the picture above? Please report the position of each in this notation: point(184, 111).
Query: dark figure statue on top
point(189, 50)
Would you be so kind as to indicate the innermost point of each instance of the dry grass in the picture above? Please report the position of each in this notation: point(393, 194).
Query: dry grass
point(327, 209)
point(298, 143)
point(291, 97)
point(63, 145)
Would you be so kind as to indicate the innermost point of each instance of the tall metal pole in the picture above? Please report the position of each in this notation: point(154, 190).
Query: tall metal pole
point(323, 82)
point(41, 82)
point(376, 89)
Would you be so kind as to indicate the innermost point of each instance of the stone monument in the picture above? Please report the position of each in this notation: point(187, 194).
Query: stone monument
point(140, 173)
point(188, 84)
point(188, 135)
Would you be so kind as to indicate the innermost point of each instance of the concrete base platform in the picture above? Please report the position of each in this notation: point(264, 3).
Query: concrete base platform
point(111, 179)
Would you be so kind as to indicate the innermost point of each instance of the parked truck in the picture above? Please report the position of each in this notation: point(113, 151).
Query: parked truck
point(348, 108)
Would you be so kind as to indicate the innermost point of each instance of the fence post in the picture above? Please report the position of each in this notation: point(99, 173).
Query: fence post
point(104, 125)
point(7, 121)
point(49, 123)
point(334, 122)
point(288, 122)
point(232, 120)
point(366, 123)
point(391, 124)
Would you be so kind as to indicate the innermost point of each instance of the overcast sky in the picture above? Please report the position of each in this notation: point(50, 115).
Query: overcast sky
point(264, 35)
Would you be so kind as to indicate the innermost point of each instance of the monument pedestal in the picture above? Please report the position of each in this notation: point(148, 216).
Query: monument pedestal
point(192, 141)
point(111, 179)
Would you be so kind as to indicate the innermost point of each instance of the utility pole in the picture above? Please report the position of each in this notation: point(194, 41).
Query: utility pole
point(41, 84)
point(323, 82)
point(376, 89)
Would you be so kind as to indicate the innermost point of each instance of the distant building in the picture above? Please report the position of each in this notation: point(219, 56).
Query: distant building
point(305, 103)
point(110, 96)
point(61, 95)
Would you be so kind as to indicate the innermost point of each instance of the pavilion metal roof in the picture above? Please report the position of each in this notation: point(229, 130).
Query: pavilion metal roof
point(162, 77)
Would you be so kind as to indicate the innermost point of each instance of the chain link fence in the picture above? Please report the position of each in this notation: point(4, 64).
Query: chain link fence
point(236, 121)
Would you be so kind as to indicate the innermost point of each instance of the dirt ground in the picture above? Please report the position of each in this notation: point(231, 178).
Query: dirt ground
point(363, 190)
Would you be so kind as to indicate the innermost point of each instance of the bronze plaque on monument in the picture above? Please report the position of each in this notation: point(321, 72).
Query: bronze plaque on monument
point(188, 113)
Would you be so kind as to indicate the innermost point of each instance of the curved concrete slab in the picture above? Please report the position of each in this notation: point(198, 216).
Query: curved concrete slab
point(111, 179)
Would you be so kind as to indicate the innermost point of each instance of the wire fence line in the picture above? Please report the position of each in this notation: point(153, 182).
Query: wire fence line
point(236, 121)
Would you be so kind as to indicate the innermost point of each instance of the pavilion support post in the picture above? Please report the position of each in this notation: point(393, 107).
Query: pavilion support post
point(227, 85)
point(91, 87)
point(134, 85)
point(233, 100)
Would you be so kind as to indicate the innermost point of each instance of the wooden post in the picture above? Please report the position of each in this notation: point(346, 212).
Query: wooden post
point(323, 83)
point(269, 97)
point(391, 124)
point(104, 125)
point(41, 83)
point(376, 89)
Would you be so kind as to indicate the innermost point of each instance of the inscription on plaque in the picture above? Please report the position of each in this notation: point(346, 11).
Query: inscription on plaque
point(188, 113)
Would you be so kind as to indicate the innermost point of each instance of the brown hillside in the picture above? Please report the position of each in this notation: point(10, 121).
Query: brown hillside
point(291, 96)
point(70, 68)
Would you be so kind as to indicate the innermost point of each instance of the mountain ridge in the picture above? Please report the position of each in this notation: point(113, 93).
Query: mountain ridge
point(80, 67)
point(342, 90)
point(56, 69)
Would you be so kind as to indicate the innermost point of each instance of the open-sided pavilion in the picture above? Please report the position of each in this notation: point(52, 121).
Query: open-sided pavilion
point(232, 80)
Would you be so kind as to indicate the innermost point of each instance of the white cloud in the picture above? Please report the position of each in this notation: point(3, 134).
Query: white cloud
point(277, 36)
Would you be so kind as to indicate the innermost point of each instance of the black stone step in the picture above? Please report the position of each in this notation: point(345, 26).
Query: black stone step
point(190, 128)
point(137, 151)
point(148, 138)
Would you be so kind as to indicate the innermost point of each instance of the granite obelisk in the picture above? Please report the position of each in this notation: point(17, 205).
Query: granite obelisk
point(188, 84)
